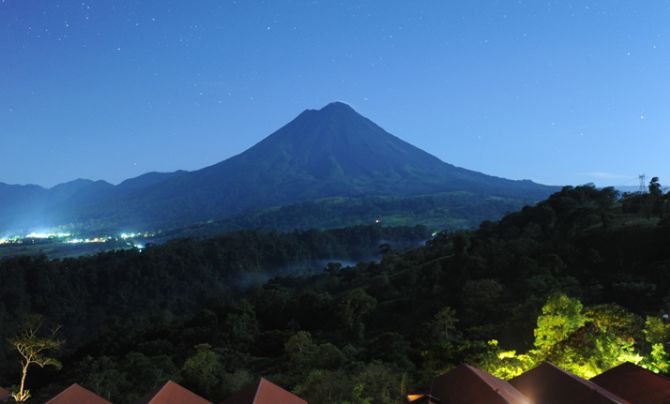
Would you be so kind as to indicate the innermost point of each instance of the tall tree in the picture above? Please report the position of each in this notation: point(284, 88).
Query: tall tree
point(655, 187)
point(32, 349)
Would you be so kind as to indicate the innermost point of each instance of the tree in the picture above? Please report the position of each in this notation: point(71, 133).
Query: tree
point(655, 187)
point(561, 316)
point(103, 376)
point(32, 349)
point(656, 331)
point(656, 194)
point(333, 267)
point(241, 325)
point(352, 308)
point(585, 342)
point(444, 324)
point(203, 369)
point(304, 354)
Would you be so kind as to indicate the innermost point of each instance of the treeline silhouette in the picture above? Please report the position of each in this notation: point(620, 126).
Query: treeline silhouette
point(369, 332)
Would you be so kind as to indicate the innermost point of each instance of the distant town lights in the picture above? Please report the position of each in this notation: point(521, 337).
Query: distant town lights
point(41, 235)
point(88, 240)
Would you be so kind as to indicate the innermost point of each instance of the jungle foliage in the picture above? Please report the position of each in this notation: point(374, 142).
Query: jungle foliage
point(580, 279)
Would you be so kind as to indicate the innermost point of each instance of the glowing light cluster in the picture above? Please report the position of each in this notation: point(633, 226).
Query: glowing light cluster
point(88, 240)
point(10, 240)
point(69, 238)
point(41, 235)
point(126, 236)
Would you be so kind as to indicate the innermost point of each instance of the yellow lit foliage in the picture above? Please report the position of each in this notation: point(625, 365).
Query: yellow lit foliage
point(584, 342)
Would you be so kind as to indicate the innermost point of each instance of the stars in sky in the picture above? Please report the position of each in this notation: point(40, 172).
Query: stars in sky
point(429, 72)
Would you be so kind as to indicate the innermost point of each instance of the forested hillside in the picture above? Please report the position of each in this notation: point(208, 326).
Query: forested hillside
point(331, 153)
point(452, 210)
point(580, 279)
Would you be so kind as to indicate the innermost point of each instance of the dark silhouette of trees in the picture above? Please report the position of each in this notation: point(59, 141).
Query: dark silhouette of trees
point(580, 278)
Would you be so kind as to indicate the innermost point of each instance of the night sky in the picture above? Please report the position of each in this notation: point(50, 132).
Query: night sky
point(555, 91)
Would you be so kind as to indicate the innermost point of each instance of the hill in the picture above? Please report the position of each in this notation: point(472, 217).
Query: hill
point(581, 279)
point(333, 152)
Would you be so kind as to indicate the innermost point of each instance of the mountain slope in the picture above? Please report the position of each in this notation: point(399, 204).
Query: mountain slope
point(337, 151)
point(331, 152)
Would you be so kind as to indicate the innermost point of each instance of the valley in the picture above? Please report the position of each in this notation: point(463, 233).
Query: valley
point(295, 308)
point(334, 202)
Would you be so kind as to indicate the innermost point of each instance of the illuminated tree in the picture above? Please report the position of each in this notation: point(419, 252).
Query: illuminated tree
point(610, 338)
point(32, 349)
point(561, 316)
point(504, 364)
point(657, 360)
point(585, 342)
point(656, 333)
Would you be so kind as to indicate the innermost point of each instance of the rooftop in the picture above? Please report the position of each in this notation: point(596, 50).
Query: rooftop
point(75, 394)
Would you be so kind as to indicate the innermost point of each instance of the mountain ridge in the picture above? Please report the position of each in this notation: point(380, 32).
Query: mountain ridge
point(330, 152)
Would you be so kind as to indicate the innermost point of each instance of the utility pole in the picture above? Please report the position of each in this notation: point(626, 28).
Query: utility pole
point(643, 183)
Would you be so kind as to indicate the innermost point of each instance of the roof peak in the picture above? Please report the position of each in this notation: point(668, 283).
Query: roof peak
point(77, 393)
point(171, 391)
point(264, 391)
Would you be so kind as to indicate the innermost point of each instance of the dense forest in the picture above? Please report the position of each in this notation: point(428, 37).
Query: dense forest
point(448, 210)
point(581, 279)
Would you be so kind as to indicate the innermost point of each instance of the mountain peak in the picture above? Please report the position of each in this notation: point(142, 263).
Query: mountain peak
point(335, 108)
point(338, 106)
point(336, 145)
point(79, 182)
point(323, 153)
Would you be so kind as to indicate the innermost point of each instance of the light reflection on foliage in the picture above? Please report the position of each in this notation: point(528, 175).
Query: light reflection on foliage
point(585, 342)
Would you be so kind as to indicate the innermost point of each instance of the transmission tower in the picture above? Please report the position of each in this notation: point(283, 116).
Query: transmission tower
point(643, 183)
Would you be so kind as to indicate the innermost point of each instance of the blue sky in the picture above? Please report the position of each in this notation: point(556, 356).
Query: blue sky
point(561, 92)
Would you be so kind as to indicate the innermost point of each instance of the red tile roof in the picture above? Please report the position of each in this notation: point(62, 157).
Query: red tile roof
point(549, 384)
point(467, 384)
point(635, 384)
point(172, 393)
point(76, 394)
point(264, 392)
